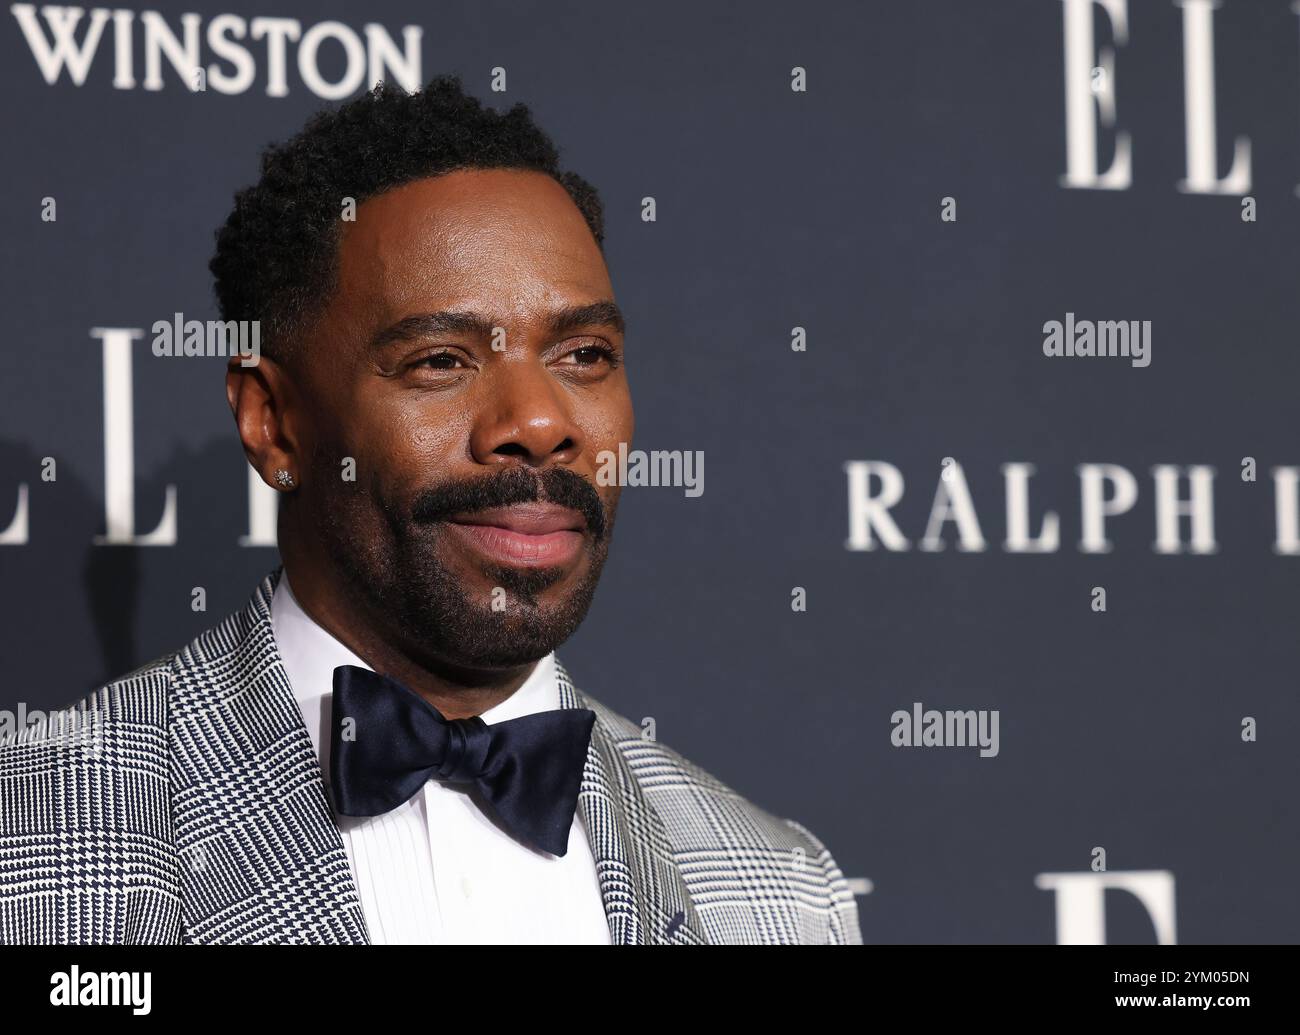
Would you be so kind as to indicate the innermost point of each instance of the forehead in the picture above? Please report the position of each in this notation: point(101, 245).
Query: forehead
point(503, 242)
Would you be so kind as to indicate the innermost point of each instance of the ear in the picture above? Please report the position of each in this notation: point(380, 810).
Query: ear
point(265, 404)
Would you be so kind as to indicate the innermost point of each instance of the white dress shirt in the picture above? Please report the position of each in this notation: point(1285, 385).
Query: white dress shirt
point(436, 869)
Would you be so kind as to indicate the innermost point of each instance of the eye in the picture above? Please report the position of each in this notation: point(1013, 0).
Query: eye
point(439, 361)
point(591, 355)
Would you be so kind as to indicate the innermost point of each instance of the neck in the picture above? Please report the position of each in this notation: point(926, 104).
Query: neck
point(457, 693)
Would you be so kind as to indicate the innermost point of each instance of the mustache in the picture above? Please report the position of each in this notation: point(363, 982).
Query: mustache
point(514, 485)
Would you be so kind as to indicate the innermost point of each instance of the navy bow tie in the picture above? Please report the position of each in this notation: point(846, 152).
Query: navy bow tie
point(529, 769)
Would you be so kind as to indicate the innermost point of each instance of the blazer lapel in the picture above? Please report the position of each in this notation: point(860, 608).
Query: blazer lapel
point(261, 857)
point(646, 901)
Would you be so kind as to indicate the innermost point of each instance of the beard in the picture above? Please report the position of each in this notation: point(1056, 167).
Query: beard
point(393, 555)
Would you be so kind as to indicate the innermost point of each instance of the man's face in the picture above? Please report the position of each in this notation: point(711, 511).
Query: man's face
point(470, 363)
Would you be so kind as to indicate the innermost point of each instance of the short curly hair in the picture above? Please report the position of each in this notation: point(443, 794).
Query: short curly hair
point(277, 253)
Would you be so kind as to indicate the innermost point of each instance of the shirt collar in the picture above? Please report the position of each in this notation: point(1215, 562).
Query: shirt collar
point(310, 654)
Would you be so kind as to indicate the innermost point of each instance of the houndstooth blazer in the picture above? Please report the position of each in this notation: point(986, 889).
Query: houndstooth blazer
point(197, 814)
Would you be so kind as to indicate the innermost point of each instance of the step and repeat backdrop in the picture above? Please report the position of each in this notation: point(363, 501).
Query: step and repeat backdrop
point(975, 320)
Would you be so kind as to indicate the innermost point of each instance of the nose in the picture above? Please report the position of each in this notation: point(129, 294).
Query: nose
point(524, 418)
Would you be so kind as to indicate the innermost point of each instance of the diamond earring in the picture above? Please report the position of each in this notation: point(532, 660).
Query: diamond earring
point(283, 479)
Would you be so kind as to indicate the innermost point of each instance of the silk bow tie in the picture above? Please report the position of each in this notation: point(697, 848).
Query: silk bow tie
point(529, 769)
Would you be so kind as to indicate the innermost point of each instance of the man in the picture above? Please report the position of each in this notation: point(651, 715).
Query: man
point(382, 746)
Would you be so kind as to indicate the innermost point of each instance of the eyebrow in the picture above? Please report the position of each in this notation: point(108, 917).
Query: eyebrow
point(603, 313)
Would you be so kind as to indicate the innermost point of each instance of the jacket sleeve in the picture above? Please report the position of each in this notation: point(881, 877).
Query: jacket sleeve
point(85, 850)
point(843, 928)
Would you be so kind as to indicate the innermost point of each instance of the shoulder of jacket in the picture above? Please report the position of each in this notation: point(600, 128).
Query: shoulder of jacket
point(144, 701)
point(696, 799)
point(657, 765)
point(138, 698)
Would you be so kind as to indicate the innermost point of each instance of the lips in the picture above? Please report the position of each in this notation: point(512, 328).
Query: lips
point(525, 535)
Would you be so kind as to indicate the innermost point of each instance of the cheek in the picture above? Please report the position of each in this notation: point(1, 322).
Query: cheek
point(417, 445)
point(610, 497)
point(610, 423)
